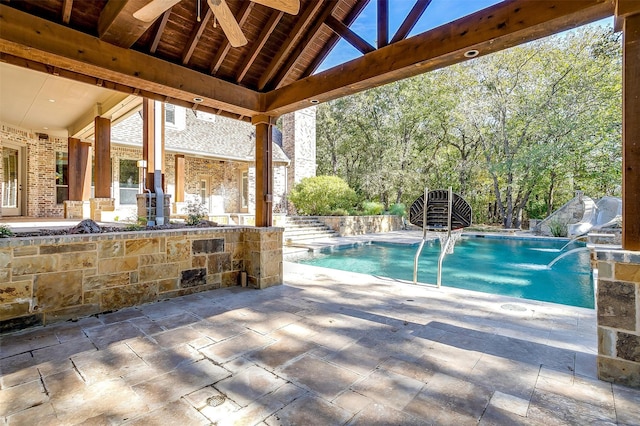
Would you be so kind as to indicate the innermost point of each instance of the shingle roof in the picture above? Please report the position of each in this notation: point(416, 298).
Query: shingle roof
point(204, 134)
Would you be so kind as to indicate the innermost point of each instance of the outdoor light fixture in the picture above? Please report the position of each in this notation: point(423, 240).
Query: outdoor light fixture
point(471, 53)
point(197, 100)
point(52, 100)
point(314, 101)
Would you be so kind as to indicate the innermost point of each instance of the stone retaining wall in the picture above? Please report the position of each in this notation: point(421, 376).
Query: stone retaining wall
point(49, 279)
point(359, 225)
point(618, 308)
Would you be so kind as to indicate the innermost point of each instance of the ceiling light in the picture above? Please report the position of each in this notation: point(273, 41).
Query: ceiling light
point(197, 100)
point(471, 53)
point(314, 101)
point(52, 100)
point(46, 128)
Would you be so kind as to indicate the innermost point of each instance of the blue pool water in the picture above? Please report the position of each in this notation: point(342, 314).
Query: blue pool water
point(511, 267)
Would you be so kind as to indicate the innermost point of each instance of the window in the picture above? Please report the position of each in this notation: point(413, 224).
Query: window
point(245, 190)
point(203, 191)
point(170, 114)
point(62, 177)
point(129, 181)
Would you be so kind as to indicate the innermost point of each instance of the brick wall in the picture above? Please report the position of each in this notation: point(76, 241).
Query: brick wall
point(299, 143)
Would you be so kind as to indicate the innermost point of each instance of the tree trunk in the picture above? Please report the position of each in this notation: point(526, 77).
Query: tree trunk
point(550, 194)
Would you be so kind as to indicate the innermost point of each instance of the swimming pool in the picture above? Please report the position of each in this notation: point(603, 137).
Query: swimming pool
point(511, 267)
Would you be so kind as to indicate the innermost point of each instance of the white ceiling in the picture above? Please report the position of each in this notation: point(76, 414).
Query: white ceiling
point(46, 103)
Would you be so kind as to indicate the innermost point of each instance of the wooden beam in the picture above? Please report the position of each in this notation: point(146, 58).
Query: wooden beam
point(411, 20)
point(284, 72)
point(103, 158)
point(245, 10)
point(631, 134)
point(302, 23)
point(264, 169)
point(117, 24)
point(383, 23)
point(159, 30)
point(501, 26)
point(36, 39)
point(259, 44)
point(333, 40)
point(345, 32)
point(79, 157)
point(67, 5)
point(196, 34)
point(112, 108)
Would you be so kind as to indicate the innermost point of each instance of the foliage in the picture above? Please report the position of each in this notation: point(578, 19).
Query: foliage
point(557, 228)
point(340, 212)
point(515, 132)
point(398, 209)
point(321, 195)
point(5, 231)
point(372, 208)
point(196, 212)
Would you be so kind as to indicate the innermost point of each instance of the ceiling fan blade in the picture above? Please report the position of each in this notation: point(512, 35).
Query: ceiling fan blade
point(287, 6)
point(152, 10)
point(228, 22)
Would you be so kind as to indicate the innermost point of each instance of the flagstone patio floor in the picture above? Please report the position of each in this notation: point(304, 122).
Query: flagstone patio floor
point(326, 348)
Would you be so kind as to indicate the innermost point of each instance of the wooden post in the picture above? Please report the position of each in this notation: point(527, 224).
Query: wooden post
point(264, 170)
point(631, 134)
point(79, 170)
point(180, 170)
point(103, 157)
point(151, 131)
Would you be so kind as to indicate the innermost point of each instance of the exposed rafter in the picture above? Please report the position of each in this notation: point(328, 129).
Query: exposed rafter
point(303, 21)
point(67, 5)
point(224, 49)
point(345, 32)
point(411, 20)
point(259, 44)
point(117, 24)
point(162, 23)
point(383, 23)
point(195, 36)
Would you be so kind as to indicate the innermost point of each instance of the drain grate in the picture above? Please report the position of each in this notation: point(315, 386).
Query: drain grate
point(216, 400)
point(512, 307)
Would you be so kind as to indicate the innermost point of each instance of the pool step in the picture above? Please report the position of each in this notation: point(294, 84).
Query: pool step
point(306, 228)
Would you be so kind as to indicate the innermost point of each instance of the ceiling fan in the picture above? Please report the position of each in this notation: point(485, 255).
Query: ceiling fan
point(222, 13)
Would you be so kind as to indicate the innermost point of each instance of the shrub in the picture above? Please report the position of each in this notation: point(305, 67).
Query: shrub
point(5, 231)
point(398, 209)
point(340, 212)
point(557, 228)
point(372, 208)
point(321, 195)
point(196, 212)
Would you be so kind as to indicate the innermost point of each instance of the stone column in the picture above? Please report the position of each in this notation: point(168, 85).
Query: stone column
point(299, 143)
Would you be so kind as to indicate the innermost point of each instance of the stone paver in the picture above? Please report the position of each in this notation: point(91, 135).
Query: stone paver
point(329, 347)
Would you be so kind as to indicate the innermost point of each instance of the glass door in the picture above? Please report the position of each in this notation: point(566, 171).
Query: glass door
point(11, 184)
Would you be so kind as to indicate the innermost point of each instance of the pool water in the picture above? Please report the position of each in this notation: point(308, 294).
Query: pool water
point(511, 267)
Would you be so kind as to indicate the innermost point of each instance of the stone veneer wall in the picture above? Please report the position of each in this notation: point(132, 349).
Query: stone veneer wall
point(49, 279)
point(359, 225)
point(299, 143)
point(618, 309)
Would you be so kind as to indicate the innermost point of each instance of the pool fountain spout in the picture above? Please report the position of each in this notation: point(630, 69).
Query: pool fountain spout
point(573, 240)
point(565, 254)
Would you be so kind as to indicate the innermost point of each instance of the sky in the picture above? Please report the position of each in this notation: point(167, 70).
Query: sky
point(437, 13)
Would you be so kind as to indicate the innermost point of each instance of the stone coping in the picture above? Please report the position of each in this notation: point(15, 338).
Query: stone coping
point(71, 238)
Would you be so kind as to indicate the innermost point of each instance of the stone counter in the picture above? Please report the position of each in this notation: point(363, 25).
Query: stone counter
point(55, 278)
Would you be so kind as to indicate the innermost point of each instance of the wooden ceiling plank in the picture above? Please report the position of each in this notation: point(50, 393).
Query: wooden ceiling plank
point(267, 30)
point(303, 21)
point(411, 20)
point(158, 35)
point(244, 13)
point(330, 44)
point(67, 5)
point(196, 34)
point(498, 27)
point(36, 39)
point(383, 23)
point(345, 32)
point(286, 69)
point(117, 25)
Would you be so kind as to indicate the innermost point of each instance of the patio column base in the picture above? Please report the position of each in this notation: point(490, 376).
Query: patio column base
point(147, 207)
point(76, 209)
point(618, 310)
point(101, 205)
